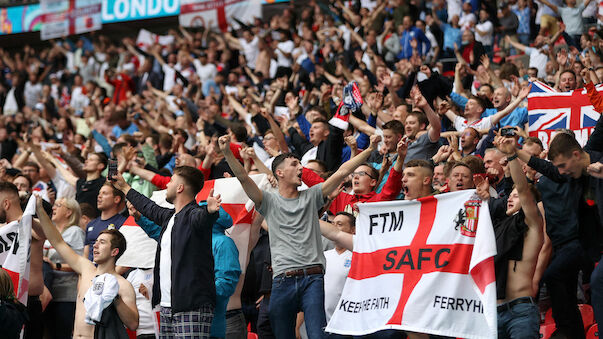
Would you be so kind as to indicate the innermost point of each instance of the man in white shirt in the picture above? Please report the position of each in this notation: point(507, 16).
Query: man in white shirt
point(339, 261)
point(284, 48)
point(206, 71)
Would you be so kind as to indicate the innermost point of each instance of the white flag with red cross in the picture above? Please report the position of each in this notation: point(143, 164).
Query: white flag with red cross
point(67, 17)
point(424, 266)
point(15, 242)
point(218, 13)
point(140, 249)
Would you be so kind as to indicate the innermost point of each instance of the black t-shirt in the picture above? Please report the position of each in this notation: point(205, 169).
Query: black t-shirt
point(87, 191)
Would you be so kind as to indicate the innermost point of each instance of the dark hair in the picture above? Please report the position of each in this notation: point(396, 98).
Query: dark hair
point(26, 178)
point(89, 210)
point(420, 116)
point(9, 187)
point(507, 69)
point(487, 85)
point(462, 164)
point(320, 163)
point(116, 192)
point(165, 140)
point(193, 178)
point(117, 147)
point(480, 101)
point(533, 140)
point(563, 144)
point(394, 125)
point(102, 158)
point(350, 216)
point(32, 164)
point(130, 140)
point(318, 109)
point(374, 172)
point(239, 131)
point(279, 160)
point(475, 164)
point(420, 163)
point(117, 241)
point(568, 71)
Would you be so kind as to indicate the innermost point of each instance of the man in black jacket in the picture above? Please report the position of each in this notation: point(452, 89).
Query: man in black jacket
point(184, 271)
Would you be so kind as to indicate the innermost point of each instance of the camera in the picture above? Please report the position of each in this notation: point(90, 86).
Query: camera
point(508, 132)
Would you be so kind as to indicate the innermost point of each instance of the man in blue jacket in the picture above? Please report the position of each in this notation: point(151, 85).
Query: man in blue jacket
point(408, 33)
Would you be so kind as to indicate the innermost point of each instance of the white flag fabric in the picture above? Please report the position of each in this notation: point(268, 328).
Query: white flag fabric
point(67, 17)
point(218, 13)
point(15, 242)
point(140, 249)
point(146, 39)
point(424, 266)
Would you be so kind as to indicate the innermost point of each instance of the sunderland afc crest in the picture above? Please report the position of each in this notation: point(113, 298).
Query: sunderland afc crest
point(467, 217)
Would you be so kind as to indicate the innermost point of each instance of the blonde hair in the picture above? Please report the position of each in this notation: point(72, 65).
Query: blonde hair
point(7, 290)
point(76, 212)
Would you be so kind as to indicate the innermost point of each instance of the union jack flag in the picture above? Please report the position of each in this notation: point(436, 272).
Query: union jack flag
point(549, 110)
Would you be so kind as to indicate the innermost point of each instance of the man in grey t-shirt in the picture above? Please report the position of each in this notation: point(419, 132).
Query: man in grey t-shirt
point(295, 244)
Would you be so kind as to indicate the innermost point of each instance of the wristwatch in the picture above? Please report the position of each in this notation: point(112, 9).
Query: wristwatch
point(513, 157)
point(58, 266)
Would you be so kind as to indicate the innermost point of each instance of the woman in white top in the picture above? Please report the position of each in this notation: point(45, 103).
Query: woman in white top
point(60, 312)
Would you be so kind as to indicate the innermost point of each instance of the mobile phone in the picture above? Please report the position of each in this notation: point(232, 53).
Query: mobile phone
point(508, 132)
point(112, 171)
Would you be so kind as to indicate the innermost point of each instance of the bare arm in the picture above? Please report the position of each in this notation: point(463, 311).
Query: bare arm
point(553, 7)
point(362, 125)
point(252, 190)
point(125, 304)
point(435, 125)
point(522, 95)
point(76, 262)
point(349, 166)
point(515, 44)
point(341, 239)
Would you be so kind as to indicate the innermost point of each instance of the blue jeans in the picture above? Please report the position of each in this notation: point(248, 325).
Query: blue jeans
point(519, 321)
point(293, 294)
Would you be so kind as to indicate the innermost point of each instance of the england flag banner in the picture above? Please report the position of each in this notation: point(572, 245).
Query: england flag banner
point(218, 13)
point(140, 249)
point(424, 266)
point(15, 242)
point(549, 110)
point(67, 17)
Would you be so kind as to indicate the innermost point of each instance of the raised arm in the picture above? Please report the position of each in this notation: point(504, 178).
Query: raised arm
point(553, 7)
point(528, 202)
point(349, 166)
point(515, 44)
point(341, 239)
point(435, 125)
point(522, 95)
point(77, 263)
point(253, 191)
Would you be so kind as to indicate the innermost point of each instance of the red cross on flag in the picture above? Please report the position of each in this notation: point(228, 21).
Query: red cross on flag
point(67, 17)
point(15, 241)
point(424, 266)
point(218, 13)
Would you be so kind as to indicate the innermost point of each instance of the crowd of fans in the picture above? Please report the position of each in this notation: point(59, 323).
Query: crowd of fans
point(443, 107)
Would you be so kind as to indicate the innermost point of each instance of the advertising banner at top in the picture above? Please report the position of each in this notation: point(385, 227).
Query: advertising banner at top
point(67, 17)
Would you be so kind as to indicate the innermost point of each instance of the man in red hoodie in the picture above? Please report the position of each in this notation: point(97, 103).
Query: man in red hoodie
point(364, 181)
